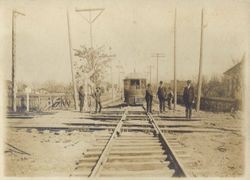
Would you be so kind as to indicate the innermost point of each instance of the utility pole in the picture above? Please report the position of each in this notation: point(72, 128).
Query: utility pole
point(119, 77)
point(119, 71)
point(200, 66)
point(146, 74)
point(150, 73)
point(14, 88)
point(175, 81)
point(157, 55)
point(91, 19)
point(112, 81)
point(71, 63)
point(121, 86)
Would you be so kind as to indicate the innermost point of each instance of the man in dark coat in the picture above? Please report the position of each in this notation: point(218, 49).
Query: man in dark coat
point(81, 97)
point(149, 98)
point(161, 96)
point(188, 98)
point(97, 96)
point(170, 97)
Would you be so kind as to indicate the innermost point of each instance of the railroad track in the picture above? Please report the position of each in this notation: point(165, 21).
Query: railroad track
point(135, 147)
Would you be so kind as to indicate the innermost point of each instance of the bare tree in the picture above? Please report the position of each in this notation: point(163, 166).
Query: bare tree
point(91, 59)
point(215, 87)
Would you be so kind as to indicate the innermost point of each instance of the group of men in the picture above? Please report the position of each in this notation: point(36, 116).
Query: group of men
point(163, 95)
point(96, 95)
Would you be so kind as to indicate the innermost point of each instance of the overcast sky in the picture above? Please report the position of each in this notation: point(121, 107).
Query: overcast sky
point(135, 30)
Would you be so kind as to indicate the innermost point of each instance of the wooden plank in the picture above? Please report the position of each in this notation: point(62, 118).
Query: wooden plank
point(148, 173)
point(137, 144)
point(136, 152)
point(137, 158)
point(136, 166)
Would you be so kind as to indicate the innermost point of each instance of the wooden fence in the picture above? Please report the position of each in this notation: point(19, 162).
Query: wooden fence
point(216, 104)
point(41, 102)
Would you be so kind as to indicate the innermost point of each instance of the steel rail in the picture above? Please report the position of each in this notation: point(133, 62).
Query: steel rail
point(104, 156)
point(179, 168)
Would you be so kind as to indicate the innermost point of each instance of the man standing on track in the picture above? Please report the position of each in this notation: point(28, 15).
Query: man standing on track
point(188, 98)
point(161, 96)
point(97, 96)
point(149, 98)
point(170, 97)
point(81, 98)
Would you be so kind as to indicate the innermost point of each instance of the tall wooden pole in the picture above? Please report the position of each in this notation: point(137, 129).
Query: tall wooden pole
point(90, 30)
point(175, 81)
point(13, 61)
point(150, 73)
point(200, 66)
point(157, 69)
point(112, 81)
point(14, 88)
point(71, 63)
point(157, 55)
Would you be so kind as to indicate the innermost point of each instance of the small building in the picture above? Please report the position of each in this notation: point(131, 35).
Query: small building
point(41, 91)
point(235, 81)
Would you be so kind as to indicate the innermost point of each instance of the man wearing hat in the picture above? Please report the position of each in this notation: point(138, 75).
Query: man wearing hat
point(161, 96)
point(188, 98)
point(97, 96)
point(81, 97)
point(149, 98)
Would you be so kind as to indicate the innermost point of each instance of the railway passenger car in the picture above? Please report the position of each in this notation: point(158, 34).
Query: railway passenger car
point(134, 89)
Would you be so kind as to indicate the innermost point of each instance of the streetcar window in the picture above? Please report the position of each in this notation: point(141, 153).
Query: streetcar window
point(126, 83)
point(143, 83)
point(135, 83)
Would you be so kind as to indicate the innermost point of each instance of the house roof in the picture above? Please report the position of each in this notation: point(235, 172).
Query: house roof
point(235, 69)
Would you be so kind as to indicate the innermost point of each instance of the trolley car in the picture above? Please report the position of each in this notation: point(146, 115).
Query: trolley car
point(134, 89)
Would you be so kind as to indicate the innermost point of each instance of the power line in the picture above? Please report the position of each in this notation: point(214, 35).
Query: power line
point(157, 55)
point(91, 19)
point(150, 73)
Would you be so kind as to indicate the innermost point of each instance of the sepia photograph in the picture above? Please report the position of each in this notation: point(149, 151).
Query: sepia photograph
point(128, 89)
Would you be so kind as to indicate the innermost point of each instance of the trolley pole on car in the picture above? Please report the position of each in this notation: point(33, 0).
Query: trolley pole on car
point(71, 63)
point(200, 66)
point(14, 88)
point(157, 55)
point(175, 81)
